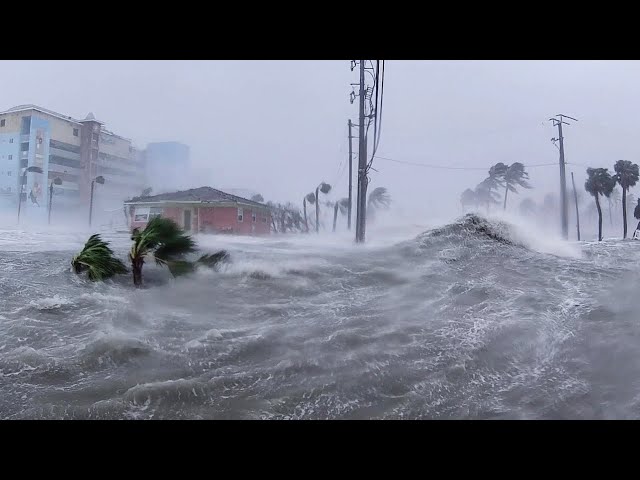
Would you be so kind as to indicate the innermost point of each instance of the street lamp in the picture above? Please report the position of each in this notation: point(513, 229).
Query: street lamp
point(56, 181)
point(23, 181)
point(99, 179)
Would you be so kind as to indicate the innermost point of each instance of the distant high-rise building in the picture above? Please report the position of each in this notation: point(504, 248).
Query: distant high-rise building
point(76, 151)
point(167, 166)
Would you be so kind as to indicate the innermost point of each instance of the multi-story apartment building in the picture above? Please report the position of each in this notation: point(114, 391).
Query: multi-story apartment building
point(76, 151)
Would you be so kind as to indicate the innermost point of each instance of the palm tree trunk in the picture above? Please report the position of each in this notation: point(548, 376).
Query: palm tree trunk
point(610, 217)
point(624, 212)
point(317, 210)
point(599, 218)
point(335, 216)
point(304, 207)
point(506, 191)
point(136, 268)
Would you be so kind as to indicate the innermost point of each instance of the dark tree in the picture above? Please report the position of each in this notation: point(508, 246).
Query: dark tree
point(627, 175)
point(599, 182)
point(515, 176)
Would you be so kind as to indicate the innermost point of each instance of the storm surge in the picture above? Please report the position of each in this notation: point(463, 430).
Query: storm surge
point(479, 318)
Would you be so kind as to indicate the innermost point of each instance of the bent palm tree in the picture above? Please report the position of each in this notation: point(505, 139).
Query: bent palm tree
point(514, 176)
point(343, 206)
point(97, 259)
point(599, 182)
point(627, 175)
point(162, 239)
point(324, 188)
point(378, 199)
point(484, 193)
point(311, 198)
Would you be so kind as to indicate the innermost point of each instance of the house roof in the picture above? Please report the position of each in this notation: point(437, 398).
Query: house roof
point(196, 195)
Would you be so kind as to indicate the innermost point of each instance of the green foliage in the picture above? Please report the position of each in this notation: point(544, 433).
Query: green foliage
point(311, 198)
point(515, 175)
point(599, 182)
point(325, 188)
point(97, 259)
point(627, 173)
point(379, 198)
point(163, 239)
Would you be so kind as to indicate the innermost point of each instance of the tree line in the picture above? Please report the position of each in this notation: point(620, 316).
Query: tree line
point(287, 217)
point(501, 177)
point(601, 183)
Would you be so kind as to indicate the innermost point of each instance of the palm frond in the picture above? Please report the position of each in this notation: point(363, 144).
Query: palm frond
point(212, 259)
point(98, 260)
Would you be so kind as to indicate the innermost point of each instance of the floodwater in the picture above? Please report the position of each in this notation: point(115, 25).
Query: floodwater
point(474, 319)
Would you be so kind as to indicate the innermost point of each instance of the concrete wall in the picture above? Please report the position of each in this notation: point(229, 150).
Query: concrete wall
point(9, 167)
point(217, 220)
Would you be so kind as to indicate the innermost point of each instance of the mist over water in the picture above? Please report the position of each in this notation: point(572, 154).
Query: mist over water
point(474, 318)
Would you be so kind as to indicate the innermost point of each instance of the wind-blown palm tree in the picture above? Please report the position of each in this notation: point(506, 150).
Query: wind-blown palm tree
point(627, 175)
point(379, 198)
point(599, 182)
point(484, 193)
point(468, 198)
point(485, 190)
point(343, 206)
point(324, 188)
point(97, 259)
point(162, 239)
point(514, 176)
point(311, 198)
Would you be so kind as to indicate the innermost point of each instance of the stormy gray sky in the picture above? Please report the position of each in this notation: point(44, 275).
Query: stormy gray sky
point(279, 127)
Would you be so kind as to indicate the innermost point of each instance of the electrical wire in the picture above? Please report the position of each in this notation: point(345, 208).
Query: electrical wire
point(449, 167)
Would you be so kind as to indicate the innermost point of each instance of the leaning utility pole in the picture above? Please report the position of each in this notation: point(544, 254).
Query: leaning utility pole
point(575, 198)
point(563, 182)
point(362, 162)
point(350, 175)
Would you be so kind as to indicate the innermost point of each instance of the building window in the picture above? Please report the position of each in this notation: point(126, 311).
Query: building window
point(155, 212)
point(75, 132)
point(26, 125)
point(11, 140)
point(240, 215)
point(9, 173)
point(3, 122)
point(10, 157)
point(253, 217)
point(24, 147)
point(141, 214)
point(264, 219)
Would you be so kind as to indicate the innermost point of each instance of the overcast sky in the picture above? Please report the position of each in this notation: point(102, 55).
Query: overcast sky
point(280, 127)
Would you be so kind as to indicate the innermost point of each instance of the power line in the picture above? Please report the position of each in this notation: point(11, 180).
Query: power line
point(448, 167)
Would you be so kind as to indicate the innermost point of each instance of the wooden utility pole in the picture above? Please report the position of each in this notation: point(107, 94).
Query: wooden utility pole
point(564, 212)
point(362, 162)
point(575, 198)
point(350, 175)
